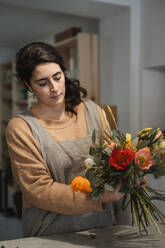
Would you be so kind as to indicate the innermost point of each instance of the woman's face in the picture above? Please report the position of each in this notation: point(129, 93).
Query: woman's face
point(48, 84)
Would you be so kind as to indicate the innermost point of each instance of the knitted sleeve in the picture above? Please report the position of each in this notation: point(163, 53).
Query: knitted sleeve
point(34, 178)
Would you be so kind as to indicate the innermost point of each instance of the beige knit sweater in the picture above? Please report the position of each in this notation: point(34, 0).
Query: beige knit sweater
point(31, 173)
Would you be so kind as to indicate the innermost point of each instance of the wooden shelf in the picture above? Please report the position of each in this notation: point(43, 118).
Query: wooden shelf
point(20, 102)
point(5, 154)
point(68, 43)
point(11, 104)
point(7, 84)
point(81, 57)
point(7, 98)
point(5, 121)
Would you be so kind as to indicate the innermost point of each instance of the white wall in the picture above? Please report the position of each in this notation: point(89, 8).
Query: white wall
point(157, 184)
point(153, 35)
point(31, 24)
point(116, 2)
point(115, 64)
point(63, 22)
point(152, 83)
point(153, 99)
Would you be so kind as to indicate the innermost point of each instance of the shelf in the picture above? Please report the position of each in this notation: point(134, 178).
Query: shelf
point(7, 86)
point(68, 43)
point(21, 102)
point(7, 83)
point(5, 122)
point(5, 154)
point(81, 58)
point(7, 98)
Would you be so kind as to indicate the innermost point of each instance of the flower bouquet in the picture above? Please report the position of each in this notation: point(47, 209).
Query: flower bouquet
point(126, 159)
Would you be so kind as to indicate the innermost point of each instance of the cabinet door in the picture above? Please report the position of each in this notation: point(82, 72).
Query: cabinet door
point(88, 64)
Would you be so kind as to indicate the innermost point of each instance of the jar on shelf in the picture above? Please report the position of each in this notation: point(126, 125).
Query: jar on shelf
point(23, 93)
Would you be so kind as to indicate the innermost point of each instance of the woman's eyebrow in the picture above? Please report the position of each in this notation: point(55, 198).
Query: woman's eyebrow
point(43, 79)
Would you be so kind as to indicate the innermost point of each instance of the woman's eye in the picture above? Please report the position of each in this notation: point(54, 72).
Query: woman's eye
point(57, 78)
point(43, 84)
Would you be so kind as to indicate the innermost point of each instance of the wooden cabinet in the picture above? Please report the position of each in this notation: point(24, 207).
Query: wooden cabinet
point(14, 100)
point(81, 58)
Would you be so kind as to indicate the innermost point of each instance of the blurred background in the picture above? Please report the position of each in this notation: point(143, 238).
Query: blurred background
point(115, 47)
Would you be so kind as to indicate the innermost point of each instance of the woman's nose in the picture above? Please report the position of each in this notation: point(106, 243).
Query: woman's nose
point(52, 86)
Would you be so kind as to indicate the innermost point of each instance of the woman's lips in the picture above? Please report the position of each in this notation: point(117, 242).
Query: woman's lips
point(55, 96)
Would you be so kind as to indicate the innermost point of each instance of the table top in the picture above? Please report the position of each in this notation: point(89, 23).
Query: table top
point(114, 237)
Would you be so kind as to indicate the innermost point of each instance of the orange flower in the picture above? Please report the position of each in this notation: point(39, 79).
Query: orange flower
point(81, 184)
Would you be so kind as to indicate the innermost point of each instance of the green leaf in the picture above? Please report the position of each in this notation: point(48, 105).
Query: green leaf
point(158, 195)
point(148, 213)
point(92, 151)
point(136, 216)
point(97, 160)
point(143, 144)
point(125, 201)
point(115, 174)
point(156, 171)
point(94, 137)
point(108, 187)
point(96, 193)
point(124, 189)
point(110, 135)
point(107, 151)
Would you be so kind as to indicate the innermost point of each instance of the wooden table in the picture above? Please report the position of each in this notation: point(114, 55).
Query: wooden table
point(111, 237)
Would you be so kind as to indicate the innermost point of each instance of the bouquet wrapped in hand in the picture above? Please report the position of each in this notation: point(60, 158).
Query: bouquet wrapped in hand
point(127, 160)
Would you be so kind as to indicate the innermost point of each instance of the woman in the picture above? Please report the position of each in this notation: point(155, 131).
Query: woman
point(48, 146)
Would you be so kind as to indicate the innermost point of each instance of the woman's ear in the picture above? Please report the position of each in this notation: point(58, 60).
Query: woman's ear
point(28, 86)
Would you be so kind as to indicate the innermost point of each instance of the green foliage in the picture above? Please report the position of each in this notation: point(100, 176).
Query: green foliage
point(156, 171)
point(108, 187)
point(104, 177)
point(94, 137)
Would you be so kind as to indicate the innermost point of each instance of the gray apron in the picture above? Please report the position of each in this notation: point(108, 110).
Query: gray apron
point(65, 161)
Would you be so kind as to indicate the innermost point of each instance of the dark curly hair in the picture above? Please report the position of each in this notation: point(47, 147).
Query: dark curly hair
point(35, 53)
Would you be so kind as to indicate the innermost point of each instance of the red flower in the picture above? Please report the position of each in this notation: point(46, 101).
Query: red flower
point(120, 159)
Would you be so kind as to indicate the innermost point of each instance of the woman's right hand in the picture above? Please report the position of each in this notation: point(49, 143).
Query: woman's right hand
point(111, 196)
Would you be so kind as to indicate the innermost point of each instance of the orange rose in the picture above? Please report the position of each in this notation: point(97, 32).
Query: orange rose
point(81, 184)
